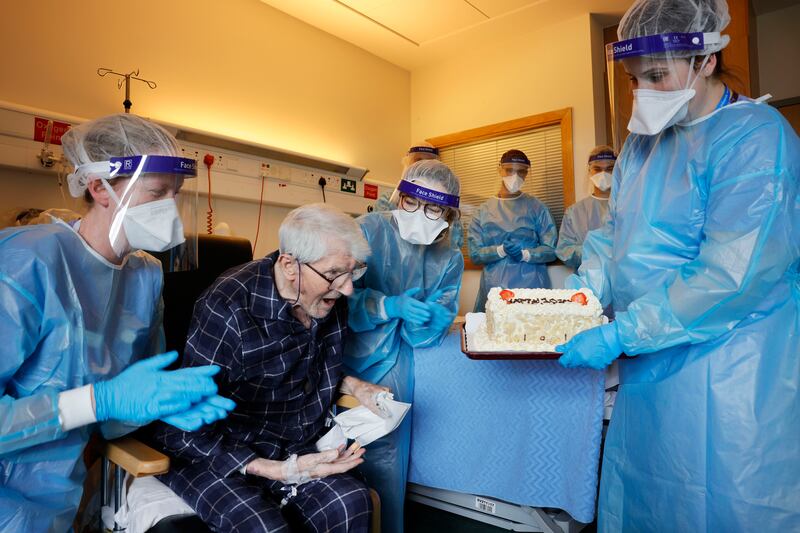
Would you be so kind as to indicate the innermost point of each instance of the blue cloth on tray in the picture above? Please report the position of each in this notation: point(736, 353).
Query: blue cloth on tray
point(527, 432)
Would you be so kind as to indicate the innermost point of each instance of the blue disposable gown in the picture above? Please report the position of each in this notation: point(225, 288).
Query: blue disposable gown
point(699, 259)
point(579, 219)
point(523, 218)
point(67, 318)
point(380, 350)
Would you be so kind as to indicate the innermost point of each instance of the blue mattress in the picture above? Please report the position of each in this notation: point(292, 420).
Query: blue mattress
point(527, 432)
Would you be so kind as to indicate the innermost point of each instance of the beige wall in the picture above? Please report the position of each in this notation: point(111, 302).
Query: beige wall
point(247, 71)
point(778, 52)
point(527, 71)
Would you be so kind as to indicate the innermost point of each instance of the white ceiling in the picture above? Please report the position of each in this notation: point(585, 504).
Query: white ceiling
point(412, 33)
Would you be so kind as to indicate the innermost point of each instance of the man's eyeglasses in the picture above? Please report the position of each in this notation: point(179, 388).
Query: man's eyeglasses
point(338, 281)
point(432, 211)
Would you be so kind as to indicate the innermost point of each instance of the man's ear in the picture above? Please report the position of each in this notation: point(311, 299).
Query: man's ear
point(288, 266)
point(99, 193)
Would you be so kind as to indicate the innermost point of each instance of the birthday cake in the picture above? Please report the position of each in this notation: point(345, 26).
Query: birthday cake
point(535, 320)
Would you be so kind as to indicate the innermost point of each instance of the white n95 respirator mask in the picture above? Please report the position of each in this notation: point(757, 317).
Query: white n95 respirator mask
point(416, 228)
point(601, 180)
point(655, 111)
point(154, 226)
point(513, 183)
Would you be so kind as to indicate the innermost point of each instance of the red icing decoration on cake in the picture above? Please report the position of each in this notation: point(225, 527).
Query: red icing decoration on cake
point(579, 298)
point(506, 294)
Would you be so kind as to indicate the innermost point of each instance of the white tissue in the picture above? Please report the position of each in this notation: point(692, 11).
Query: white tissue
point(365, 426)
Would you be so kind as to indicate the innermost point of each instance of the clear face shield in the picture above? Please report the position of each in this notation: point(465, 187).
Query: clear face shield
point(419, 153)
point(654, 77)
point(423, 212)
point(154, 210)
point(601, 169)
point(513, 175)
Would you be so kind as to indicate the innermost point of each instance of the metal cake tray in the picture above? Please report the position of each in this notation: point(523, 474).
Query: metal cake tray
point(500, 356)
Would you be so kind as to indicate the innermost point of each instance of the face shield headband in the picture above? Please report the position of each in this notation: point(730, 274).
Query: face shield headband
point(428, 195)
point(424, 150)
point(697, 43)
point(603, 156)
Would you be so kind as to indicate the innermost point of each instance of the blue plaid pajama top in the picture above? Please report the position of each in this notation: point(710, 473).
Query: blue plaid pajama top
point(282, 376)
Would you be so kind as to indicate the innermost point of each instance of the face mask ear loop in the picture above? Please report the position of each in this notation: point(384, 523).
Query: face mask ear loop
point(689, 81)
point(119, 216)
point(299, 281)
point(691, 70)
point(110, 190)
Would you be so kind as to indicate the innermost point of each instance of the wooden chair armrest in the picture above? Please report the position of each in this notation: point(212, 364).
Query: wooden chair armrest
point(347, 401)
point(376, 512)
point(136, 458)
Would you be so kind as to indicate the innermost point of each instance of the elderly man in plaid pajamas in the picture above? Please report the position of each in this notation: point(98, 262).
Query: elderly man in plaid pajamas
point(276, 326)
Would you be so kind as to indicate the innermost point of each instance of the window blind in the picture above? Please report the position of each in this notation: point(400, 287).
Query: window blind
point(476, 163)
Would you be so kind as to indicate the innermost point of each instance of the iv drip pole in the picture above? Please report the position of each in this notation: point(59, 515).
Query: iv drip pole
point(134, 75)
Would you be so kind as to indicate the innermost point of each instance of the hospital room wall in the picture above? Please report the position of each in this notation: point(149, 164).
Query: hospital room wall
point(247, 71)
point(528, 70)
point(778, 50)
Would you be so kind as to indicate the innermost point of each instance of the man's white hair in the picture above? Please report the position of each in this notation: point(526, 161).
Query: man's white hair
point(313, 231)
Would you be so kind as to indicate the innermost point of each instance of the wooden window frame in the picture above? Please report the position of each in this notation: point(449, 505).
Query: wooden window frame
point(560, 117)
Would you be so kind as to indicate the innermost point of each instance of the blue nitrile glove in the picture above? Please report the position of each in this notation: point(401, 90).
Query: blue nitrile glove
point(144, 391)
point(407, 307)
point(594, 348)
point(513, 249)
point(441, 317)
point(447, 293)
point(209, 410)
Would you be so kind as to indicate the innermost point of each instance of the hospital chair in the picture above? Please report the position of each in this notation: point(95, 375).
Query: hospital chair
point(139, 460)
point(216, 254)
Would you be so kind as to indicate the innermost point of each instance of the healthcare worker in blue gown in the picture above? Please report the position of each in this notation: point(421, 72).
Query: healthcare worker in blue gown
point(700, 260)
point(407, 299)
point(589, 213)
point(512, 235)
point(79, 303)
point(419, 152)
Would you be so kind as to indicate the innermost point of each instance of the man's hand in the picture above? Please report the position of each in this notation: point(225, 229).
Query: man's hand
point(300, 469)
point(364, 391)
point(265, 468)
point(329, 462)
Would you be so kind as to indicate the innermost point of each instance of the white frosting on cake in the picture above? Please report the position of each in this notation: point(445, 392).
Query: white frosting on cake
point(534, 320)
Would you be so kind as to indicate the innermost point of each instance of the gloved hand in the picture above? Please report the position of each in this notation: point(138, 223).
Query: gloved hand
point(441, 317)
point(594, 348)
point(209, 410)
point(450, 290)
point(407, 307)
point(513, 249)
point(144, 391)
